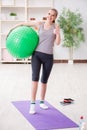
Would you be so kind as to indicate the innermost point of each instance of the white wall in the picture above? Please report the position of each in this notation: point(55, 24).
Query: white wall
point(80, 53)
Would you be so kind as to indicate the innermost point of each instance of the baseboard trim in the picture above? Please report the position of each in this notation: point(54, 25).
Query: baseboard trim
point(74, 61)
point(55, 61)
point(60, 61)
point(80, 61)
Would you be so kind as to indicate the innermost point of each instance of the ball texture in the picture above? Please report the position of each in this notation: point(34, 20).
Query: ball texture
point(22, 41)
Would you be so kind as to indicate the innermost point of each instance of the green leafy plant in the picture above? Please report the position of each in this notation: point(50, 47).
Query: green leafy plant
point(13, 14)
point(70, 22)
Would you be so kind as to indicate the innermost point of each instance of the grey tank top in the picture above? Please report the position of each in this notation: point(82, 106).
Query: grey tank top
point(46, 39)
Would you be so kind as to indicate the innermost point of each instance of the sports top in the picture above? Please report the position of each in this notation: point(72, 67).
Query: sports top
point(46, 39)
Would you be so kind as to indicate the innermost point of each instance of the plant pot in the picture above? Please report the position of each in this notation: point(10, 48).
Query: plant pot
point(70, 61)
point(13, 17)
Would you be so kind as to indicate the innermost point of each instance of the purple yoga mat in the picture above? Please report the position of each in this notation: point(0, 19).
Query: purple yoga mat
point(44, 119)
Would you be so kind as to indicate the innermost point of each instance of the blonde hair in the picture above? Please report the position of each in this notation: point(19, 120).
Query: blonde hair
point(56, 12)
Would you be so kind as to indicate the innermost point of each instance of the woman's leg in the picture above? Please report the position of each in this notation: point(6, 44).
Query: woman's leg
point(47, 67)
point(33, 97)
point(34, 90)
point(36, 65)
point(43, 90)
point(43, 93)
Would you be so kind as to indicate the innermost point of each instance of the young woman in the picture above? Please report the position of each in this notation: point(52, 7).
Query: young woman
point(49, 33)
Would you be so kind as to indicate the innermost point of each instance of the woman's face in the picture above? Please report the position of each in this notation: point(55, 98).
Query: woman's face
point(51, 16)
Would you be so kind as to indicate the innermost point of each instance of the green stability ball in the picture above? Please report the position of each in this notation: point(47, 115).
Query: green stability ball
point(22, 41)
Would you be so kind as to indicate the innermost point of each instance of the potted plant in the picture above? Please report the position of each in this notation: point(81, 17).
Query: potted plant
point(13, 15)
point(70, 23)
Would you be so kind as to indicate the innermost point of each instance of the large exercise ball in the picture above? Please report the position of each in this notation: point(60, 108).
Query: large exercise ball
point(22, 41)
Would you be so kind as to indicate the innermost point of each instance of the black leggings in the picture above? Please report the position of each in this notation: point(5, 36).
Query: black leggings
point(38, 59)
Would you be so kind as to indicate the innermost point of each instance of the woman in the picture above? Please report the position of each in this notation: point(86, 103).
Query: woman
point(49, 33)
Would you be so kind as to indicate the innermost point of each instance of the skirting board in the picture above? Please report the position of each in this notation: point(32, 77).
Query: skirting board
point(55, 61)
point(74, 61)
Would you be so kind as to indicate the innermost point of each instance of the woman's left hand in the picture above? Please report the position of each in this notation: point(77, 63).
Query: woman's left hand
point(57, 30)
